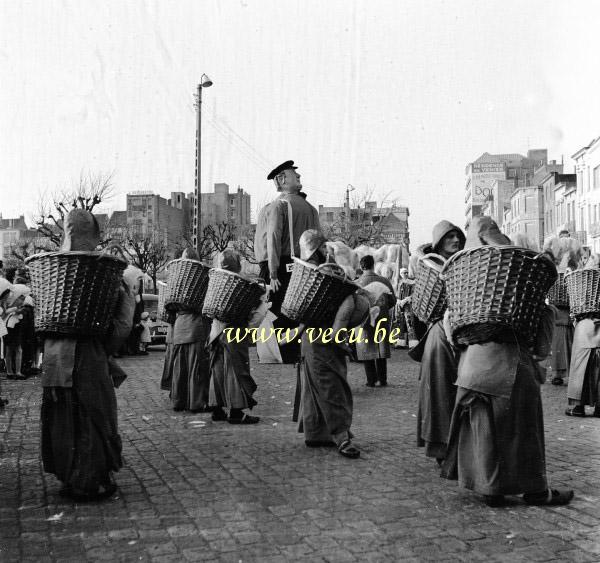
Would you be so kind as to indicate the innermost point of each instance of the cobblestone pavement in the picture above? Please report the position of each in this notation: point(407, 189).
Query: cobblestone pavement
point(194, 490)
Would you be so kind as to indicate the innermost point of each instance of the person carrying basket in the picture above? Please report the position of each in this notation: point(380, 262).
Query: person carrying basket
point(438, 360)
point(283, 220)
point(496, 441)
point(80, 439)
point(232, 386)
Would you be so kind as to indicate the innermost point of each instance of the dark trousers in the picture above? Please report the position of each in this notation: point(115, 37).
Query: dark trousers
point(376, 370)
point(290, 353)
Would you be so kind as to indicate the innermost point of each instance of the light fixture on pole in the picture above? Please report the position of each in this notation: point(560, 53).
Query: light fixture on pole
point(205, 82)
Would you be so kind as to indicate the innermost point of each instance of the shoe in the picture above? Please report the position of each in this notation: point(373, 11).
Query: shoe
point(596, 412)
point(319, 444)
point(218, 415)
point(494, 500)
point(383, 384)
point(577, 410)
point(3, 403)
point(553, 497)
point(348, 450)
point(557, 380)
point(246, 419)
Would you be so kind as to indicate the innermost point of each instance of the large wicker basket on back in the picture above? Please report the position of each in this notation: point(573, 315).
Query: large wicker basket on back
point(315, 293)
point(75, 292)
point(161, 312)
point(186, 286)
point(584, 291)
point(230, 297)
point(429, 295)
point(558, 295)
point(494, 288)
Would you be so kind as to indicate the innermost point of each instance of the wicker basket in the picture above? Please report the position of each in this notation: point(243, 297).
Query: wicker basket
point(494, 288)
point(429, 295)
point(230, 297)
point(75, 292)
point(187, 285)
point(558, 295)
point(315, 293)
point(583, 287)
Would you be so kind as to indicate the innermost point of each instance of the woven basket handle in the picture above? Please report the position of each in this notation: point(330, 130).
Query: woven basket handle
point(114, 246)
point(433, 260)
point(341, 272)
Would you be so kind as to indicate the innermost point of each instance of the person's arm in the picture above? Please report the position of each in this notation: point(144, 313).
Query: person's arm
point(274, 236)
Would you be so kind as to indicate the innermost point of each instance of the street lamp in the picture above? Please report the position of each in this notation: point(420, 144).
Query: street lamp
point(205, 82)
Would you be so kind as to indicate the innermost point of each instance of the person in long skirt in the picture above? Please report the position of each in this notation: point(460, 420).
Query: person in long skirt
point(232, 387)
point(584, 378)
point(562, 343)
point(80, 440)
point(437, 374)
point(374, 355)
point(325, 398)
point(190, 370)
point(496, 443)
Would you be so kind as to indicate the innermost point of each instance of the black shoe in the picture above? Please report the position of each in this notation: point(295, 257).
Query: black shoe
point(246, 419)
point(577, 410)
point(383, 384)
point(494, 500)
point(218, 415)
point(554, 497)
point(557, 380)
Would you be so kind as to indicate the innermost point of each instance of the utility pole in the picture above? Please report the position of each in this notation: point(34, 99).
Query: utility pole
point(349, 188)
point(205, 82)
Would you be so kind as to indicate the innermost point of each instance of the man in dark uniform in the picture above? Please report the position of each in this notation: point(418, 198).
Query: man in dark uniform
point(272, 242)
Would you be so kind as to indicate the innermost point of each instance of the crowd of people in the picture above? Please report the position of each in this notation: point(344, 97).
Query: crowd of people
point(479, 406)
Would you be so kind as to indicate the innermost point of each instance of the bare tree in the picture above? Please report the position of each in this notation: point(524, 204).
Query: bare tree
point(366, 224)
point(147, 251)
point(220, 235)
point(88, 193)
point(26, 247)
point(244, 243)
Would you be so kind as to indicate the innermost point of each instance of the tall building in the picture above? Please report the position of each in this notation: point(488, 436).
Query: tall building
point(525, 215)
point(587, 213)
point(151, 213)
point(481, 173)
point(222, 206)
point(559, 211)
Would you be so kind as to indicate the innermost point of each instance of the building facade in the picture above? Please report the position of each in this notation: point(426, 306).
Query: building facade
point(148, 213)
point(481, 174)
point(525, 215)
point(222, 206)
point(587, 207)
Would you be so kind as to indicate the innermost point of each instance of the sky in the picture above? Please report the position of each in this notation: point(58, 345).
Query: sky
point(392, 97)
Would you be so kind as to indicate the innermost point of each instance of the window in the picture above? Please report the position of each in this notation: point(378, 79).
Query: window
point(597, 177)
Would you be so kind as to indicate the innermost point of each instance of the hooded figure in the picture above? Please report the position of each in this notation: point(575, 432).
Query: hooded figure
point(80, 439)
point(186, 361)
point(496, 439)
point(438, 359)
point(231, 385)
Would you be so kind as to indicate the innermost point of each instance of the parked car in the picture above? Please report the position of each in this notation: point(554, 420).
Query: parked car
point(158, 328)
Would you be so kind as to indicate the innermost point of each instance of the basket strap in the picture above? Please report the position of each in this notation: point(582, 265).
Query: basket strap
point(291, 228)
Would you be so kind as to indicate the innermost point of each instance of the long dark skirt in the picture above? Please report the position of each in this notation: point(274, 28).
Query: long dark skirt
point(232, 385)
point(497, 445)
point(590, 390)
point(437, 393)
point(80, 440)
point(166, 379)
point(326, 397)
point(562, 343)
point(190, 376)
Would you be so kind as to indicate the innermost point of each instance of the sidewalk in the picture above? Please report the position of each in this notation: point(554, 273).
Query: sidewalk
point(194, 490)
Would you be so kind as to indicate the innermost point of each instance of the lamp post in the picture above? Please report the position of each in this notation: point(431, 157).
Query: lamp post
point(205, 82)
